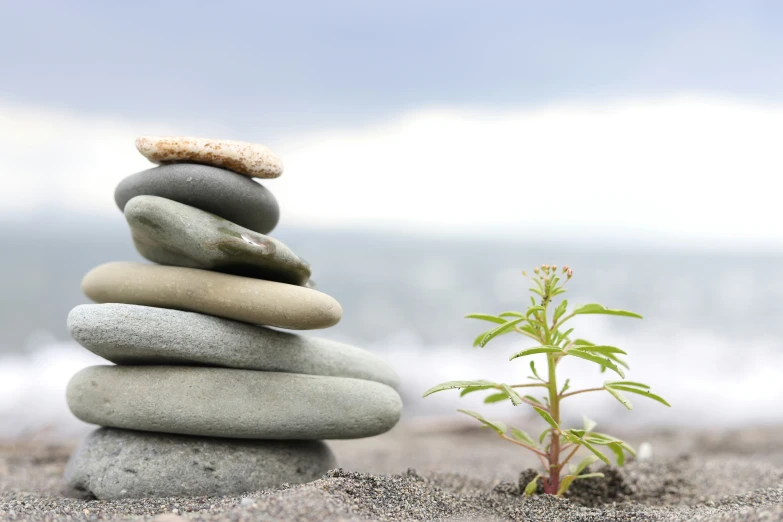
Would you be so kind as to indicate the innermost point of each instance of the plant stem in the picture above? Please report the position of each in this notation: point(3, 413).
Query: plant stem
point(553, 484)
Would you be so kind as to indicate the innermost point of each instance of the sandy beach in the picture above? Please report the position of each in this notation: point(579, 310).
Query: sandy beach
point(442, 470)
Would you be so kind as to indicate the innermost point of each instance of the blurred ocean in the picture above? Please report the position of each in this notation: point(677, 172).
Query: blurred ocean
point(710, 340)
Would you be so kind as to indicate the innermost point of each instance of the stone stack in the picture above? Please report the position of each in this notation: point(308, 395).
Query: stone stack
point(204, 398)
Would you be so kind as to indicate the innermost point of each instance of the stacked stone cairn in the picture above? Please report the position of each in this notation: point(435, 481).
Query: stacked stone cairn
point(204, 398)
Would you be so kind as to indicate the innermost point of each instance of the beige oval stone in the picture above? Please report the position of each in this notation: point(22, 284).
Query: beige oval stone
point(249, 159)
point(234, 297)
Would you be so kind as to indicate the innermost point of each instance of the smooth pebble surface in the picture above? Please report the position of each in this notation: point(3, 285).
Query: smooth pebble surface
point(113, 464)
point(234, 297)
point(220, 402)
point(171, 233)
point(227, 194)
point(131, 334)
point(249, 159)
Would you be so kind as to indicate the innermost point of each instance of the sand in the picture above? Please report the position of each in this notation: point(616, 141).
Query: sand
point(444, 471)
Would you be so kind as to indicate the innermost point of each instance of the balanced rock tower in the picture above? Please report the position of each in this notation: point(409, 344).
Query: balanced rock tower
point(203, 397)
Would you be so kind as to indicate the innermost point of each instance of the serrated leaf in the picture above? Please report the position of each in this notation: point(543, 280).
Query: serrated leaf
point(617, 449)
point(628, 383)
point(533, 369)
point(590, 475)
point(595, 308)
point(595, 451)
point(522, 436)
point(495, 397)
point(537, 349)
point(604, 362)
point(644, 393)
point(499, 427)
point(472, 389)
point(499, 330)
point(516, 400)
point(532, 485)
point(620, 397)
point(565, 483)
point(605, 350)
point(458, 384)
point(590, 459)
point(547, 417)
point(486, 317)
point(590, 424)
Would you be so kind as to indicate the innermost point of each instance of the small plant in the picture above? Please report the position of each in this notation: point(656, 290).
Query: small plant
point(544, 323)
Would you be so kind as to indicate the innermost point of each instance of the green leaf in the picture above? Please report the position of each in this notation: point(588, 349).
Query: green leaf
point(532, 485)
point(486, 317)
point(547, 417)
point(644, 393)
point(522, 436)
point(531, 398)
point(560, 310)
point(543, 435)
point(595, 308)
point(495, 397)
point(590, 475)
point(618, 360)
point(617, 449)
point(620, 397)
point(565, 483)
point(533, 369)
point(512, 314)
point(516, 400)
point(628, 383)
point(471, 389)
point(499, 427)
point(537, 349)
point(590, 459)
point(477, 340)
point(583, 342)
point(596, 359)
point(595, 451)
point(459, 384)
point(566, 385)
point(602, 349)
point(589, 424)
point(499, 330)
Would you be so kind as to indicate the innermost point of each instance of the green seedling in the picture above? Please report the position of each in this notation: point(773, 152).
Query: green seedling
point(544, 322)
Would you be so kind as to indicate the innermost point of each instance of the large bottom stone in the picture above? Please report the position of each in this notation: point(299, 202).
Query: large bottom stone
point(113, 463)
point(223, 402)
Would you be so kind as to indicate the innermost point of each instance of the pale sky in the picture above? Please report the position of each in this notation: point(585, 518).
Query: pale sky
point(603, 119)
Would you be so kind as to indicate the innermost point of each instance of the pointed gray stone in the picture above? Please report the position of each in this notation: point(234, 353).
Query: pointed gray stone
point(171, 233)
point(222, 402)
point(131, 334)
point(112, 464)
point(227, 194)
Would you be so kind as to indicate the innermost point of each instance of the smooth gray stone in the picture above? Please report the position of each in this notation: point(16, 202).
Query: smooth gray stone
point(227, 194)
point(170, 233)
point(112, 464)
point(132, 334)
point(222, 402)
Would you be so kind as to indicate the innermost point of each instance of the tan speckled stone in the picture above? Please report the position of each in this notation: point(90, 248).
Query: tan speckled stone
point(244, 158)
point(234, 297)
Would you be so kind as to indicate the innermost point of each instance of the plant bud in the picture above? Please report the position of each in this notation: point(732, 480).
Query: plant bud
point(535, 270)
point(569, 273)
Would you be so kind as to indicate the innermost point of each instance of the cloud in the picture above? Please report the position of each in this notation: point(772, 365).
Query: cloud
point(690, 168)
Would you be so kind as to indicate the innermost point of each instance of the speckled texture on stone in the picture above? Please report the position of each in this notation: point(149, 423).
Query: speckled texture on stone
point(249, 159)
point(112, 464)
point(130, 334)
point(234, 297)
point(221, 402)
point(171, 233)
point(227, 194)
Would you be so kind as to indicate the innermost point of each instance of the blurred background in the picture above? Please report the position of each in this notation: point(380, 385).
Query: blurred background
point(433, 151)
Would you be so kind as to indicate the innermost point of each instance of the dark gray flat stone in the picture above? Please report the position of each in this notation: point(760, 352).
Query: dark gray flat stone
point(224, 402)
point(231, 196)
point(171, 233)
point(134, 335)
point(113, 464)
